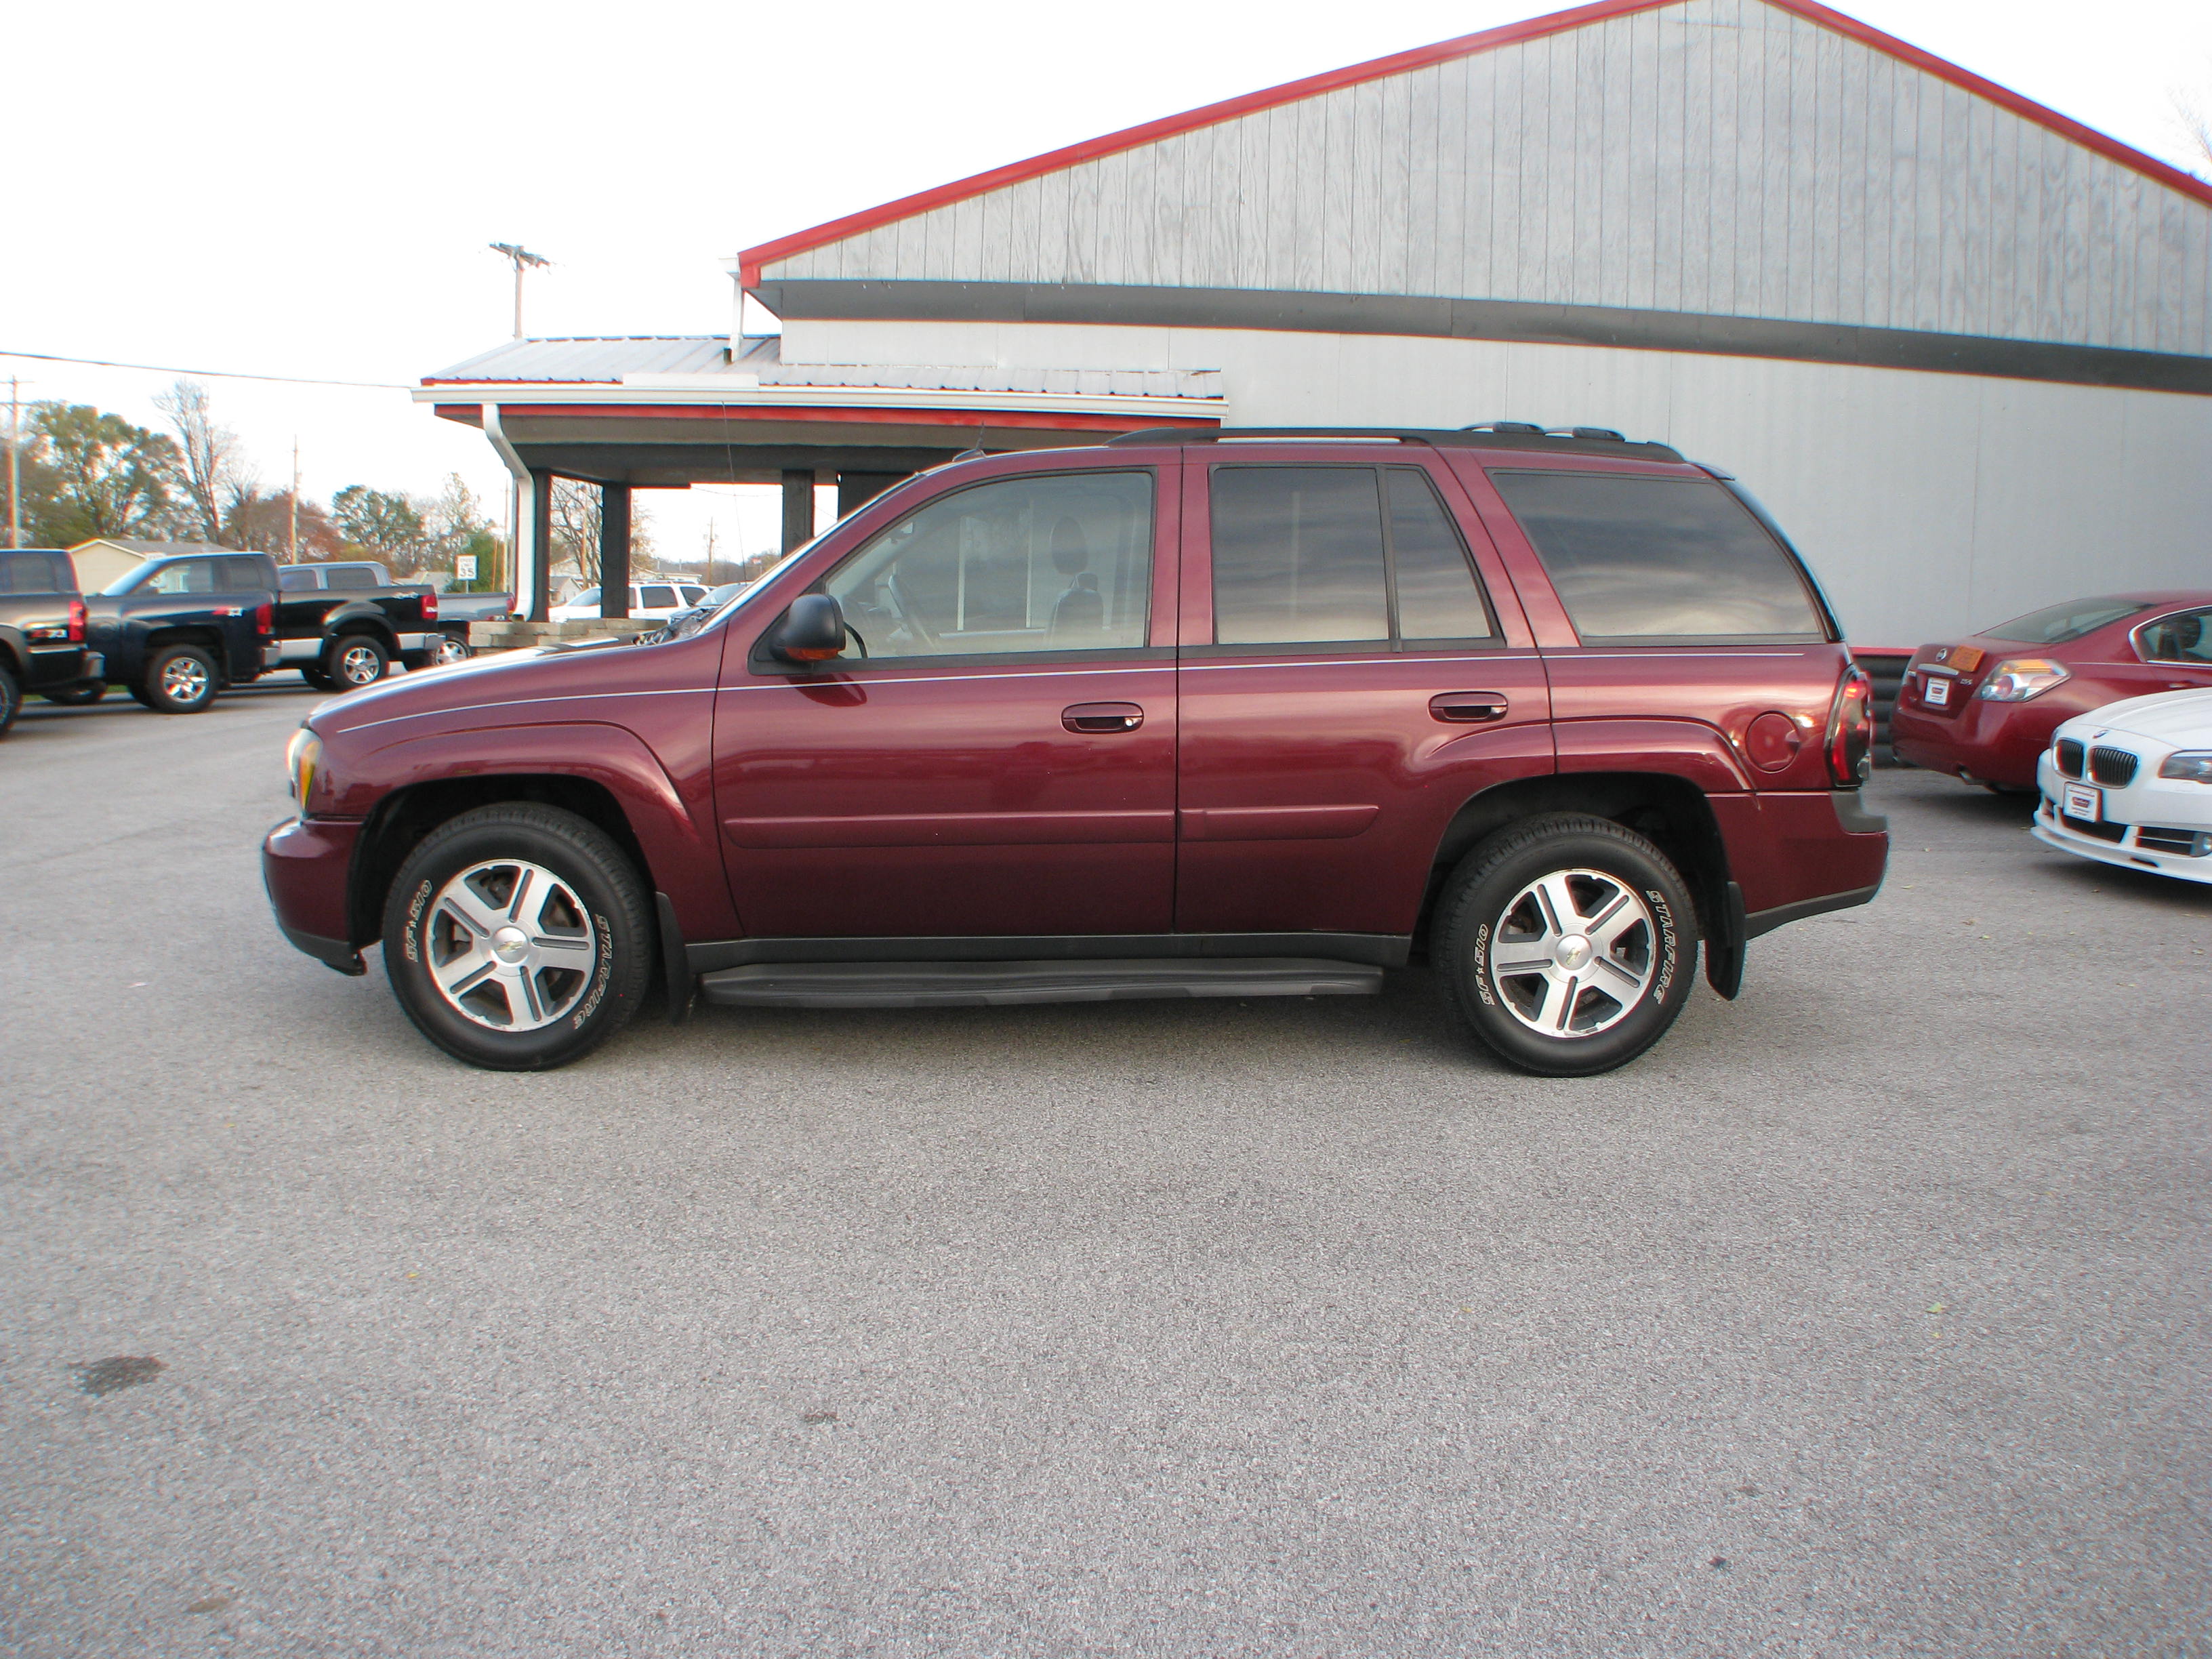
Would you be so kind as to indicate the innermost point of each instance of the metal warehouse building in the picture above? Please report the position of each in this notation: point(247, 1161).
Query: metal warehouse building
point(1961, 345)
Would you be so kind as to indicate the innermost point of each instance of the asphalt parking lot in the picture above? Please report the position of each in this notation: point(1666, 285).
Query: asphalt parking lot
point(1868, 1316)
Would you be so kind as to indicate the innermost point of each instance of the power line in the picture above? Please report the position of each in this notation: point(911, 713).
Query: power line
point(210, 373)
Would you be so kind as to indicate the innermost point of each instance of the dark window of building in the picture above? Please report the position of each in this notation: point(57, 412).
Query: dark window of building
point(1653, 559)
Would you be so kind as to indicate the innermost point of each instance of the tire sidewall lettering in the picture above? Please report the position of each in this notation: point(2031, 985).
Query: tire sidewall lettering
point(411, 939)
point(602, 973)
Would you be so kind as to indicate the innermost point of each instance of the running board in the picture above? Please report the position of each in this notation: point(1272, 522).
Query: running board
point(996, 984)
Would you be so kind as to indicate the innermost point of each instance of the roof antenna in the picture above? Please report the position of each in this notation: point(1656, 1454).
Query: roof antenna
point(978, 452)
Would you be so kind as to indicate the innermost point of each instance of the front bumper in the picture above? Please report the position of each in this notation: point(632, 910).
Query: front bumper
point(2166, 811)
point(306, 864)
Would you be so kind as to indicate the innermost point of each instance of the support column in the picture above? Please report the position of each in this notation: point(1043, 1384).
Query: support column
point(798, 506)
point(539, 598)
point(614, 550)
point(857, 489)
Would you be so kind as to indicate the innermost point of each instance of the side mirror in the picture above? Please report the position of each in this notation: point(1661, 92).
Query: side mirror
point(812, 630)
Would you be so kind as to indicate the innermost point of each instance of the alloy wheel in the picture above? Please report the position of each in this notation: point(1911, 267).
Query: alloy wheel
point(360, 665)
point(184, 679)
point(509, 946)
point(1574, 953)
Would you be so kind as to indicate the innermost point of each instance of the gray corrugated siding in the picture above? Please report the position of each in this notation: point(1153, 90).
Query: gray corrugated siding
point(1719, 157)
point(593, 359)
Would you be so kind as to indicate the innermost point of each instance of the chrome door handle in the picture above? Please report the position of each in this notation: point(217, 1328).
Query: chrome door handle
point(1102, 717)
point(1466, 708)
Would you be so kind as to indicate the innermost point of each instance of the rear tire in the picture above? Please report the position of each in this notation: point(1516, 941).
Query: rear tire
point(1600, 925)
point(76, 697)
point(180, 679)
point(316, 678)
point(354, 660)
point(451, 649)
point(519, 938)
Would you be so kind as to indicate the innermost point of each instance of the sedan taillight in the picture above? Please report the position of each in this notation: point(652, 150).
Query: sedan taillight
point(1850, 730)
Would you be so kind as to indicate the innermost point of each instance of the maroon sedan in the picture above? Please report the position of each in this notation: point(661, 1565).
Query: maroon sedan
point(1983, 708)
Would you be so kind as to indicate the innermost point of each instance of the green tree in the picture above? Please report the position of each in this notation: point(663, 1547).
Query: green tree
point(94, 474)
point(383, 524)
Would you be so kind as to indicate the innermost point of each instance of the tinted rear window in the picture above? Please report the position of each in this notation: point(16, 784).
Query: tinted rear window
point(296, 580)
point(2056, 624)
point(37, 572)
point(1653, 559)
point(349, 576)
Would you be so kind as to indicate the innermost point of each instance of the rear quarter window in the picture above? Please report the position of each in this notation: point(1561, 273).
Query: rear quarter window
point(37, 572)
point(351, 577)
point(1646, 560)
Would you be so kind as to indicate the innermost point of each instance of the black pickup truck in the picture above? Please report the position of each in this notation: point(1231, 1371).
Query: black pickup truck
point(175, 631)
point(42, 628)
point(452, 614)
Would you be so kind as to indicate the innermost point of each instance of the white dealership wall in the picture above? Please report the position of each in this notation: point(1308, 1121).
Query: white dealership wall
point(1930, 504)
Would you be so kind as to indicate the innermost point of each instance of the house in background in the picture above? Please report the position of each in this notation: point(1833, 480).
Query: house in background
point(106, 559)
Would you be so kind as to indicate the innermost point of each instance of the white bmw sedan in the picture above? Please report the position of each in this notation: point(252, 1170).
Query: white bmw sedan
point(2131, 784)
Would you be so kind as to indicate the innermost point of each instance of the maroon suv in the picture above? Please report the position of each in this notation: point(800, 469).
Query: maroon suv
point(1234, 714)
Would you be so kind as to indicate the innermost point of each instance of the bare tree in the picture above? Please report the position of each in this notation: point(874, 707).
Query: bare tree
point(208, 462)
point(576, 520)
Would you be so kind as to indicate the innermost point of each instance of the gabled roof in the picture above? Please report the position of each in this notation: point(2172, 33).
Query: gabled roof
point(753, 258)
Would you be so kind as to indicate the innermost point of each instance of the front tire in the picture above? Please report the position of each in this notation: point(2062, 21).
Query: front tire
point(354, 660)
point(11, 699)
point(1567, 944)
point(180, 679)
point(518, 938)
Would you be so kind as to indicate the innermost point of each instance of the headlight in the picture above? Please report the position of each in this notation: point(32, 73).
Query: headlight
point(303, 758)
point(2018, 678)
point(2190, 765)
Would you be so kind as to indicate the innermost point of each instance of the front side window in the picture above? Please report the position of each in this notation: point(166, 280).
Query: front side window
point(1338, 555)
point(1648, 560)
point(2185, 639)
point(1057, 561)
point(184, 576)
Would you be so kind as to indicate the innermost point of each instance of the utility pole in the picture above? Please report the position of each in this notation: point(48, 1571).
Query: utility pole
point(292, 537)
point(15, 465)
point(521, 256)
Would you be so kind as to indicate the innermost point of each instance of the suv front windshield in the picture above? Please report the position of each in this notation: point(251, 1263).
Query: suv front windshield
point(2057, 624)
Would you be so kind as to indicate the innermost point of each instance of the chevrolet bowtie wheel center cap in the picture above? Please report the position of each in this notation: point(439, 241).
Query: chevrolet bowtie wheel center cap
point(1574, 952)
point(510, 944)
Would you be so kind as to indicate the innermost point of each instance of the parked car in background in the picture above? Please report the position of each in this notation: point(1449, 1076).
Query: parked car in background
point(176, 631)
point(1173, 716)
point(2131, 784)
point(450, 613)
point(42, 632)
point(649, 601)
point(1983, 708)
point(689, 620)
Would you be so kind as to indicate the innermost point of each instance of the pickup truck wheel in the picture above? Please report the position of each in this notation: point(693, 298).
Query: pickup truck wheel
point(75, 696)
point(354, 660)
point(11, 699)
point(518, 938)
point(180, 679)
point(1566, 945)
point(315, 676)
point(450, 649)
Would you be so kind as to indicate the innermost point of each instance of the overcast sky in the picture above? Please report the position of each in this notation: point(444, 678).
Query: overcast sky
point(308, 190)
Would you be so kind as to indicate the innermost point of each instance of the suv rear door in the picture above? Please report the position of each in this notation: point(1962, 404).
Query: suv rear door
point(1354, 668)
point(995, 754)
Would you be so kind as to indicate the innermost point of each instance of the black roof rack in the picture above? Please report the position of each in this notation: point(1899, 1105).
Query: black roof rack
point(1494, 435)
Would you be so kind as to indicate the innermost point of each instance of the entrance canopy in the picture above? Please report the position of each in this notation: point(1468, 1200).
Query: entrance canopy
point(662, 412)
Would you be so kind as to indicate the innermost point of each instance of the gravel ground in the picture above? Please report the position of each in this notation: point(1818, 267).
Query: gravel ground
point(1868, 1316)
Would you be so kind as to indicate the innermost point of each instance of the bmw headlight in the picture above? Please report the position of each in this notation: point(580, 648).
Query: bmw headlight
point(303, 758)
point(2190, 765)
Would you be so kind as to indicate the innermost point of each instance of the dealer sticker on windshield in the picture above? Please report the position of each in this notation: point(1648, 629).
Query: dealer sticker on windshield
point(2084, 803)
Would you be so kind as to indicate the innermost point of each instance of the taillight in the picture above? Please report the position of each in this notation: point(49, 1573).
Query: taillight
point(1850, 730)
point(430, 605)
point(77, 622)
point(265, 617)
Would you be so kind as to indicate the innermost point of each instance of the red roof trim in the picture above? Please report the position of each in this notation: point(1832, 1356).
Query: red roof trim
point(852, 224)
